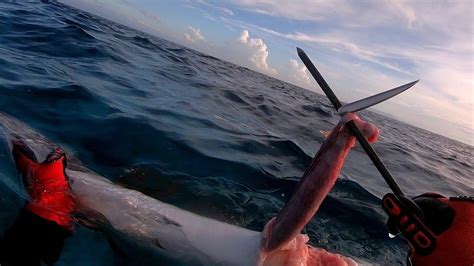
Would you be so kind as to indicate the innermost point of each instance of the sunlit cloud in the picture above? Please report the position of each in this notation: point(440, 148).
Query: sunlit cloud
point(255, 51)
point(295, 72)
point(246, 51)
point(194, 35)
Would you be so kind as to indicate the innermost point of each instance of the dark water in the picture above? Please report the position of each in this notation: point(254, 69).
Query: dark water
point(197, 132)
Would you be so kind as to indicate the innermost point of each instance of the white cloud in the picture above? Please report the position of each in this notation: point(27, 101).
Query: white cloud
point(338, 43)
point(406, 11)
point(249, 52)
point(313, 10)
point(227, 11)
point(222, 10)
point(347, 12)
point(208, 10)
point(194, 35)
point(297, 74)
point(243, 50)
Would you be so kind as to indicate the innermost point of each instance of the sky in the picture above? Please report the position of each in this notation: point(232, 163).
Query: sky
point(360, 47)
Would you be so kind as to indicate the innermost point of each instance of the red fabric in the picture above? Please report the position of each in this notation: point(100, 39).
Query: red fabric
point(48, 188)
point(455, 246)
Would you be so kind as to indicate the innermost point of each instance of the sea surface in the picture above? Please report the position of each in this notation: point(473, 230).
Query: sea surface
point(197, 132)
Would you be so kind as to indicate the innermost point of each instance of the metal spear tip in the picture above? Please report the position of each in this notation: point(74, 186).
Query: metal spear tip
point(299, 51)
point(374, 99)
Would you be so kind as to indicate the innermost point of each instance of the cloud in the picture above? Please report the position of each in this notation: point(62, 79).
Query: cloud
point(227, 11)
point(406, 11)
point(297, 74)
point(348, 13)
point(208, 10)
point(298, 10)
point(222, 10)
point(243, 50)
point(339, 43)
point(249, 52)
point(194, 35)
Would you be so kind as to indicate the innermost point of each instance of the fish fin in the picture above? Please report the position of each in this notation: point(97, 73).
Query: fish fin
point(91, 219)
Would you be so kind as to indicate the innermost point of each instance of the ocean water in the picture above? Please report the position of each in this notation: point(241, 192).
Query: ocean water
point(202, 134)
